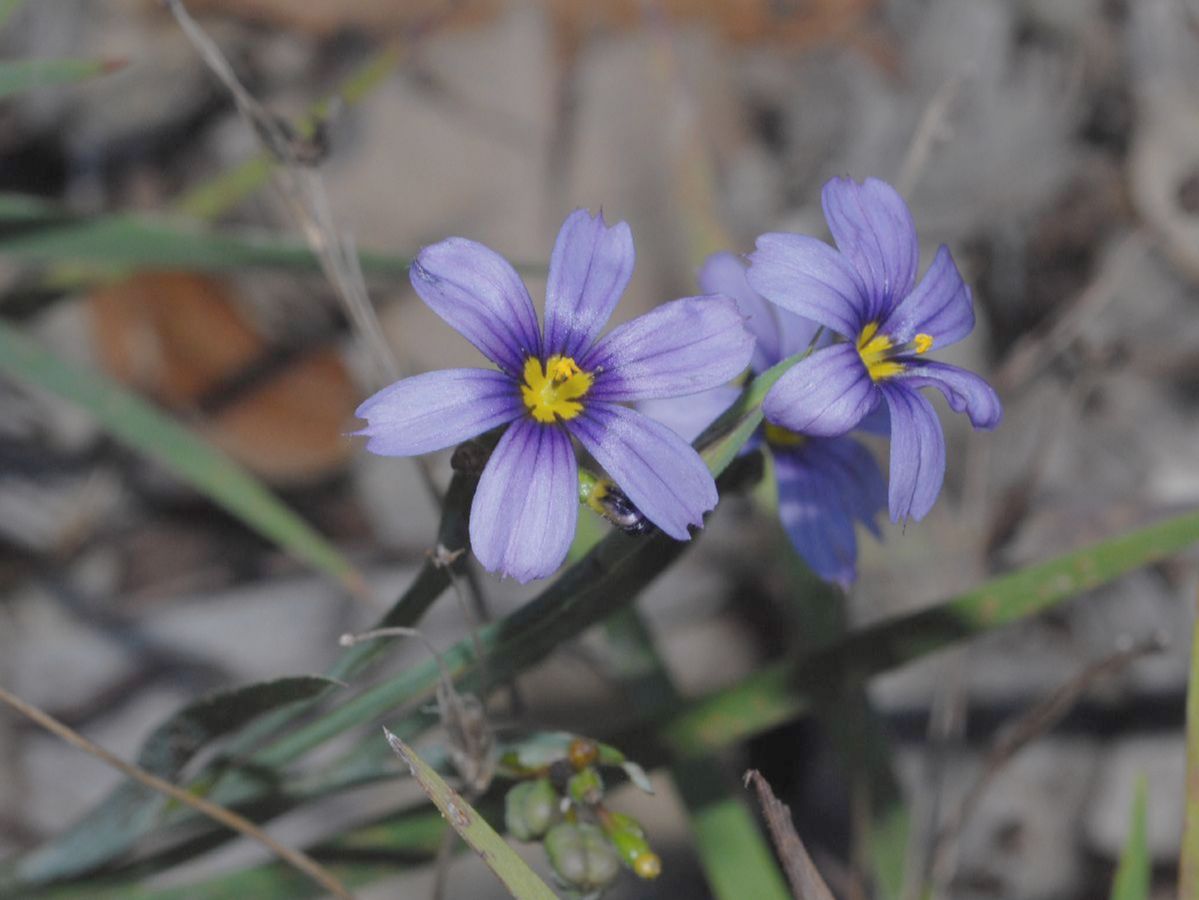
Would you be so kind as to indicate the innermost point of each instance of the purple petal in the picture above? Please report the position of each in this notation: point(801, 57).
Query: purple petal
point(663, 476)
point(917, 452)
point(965, 391)
point(682, 347)
point(826, 394)
point(814, 518)
point(779, 333)
point(523, 516)
point(877, 421)
point(689, 416)
point(589, 270)
point(940, 306)
point(811, 279)
point(479, 294)
point(854, 472)
point(874, 229)
point(437, 409)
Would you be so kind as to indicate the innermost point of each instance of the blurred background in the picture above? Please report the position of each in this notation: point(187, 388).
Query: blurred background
point(1053, 144)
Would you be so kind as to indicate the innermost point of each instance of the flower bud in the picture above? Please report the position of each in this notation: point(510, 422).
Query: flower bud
point(582, 753)
point(586, 787)
point(530, 807)
point(628, 837)
point(581, 856)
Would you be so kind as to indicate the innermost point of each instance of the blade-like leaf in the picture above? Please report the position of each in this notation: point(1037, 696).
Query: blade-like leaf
point(513, 871)
point(25, 74)
point(1134, 874)
point(133, 807)
point(31, 231)
point(1188, 867)
point(139, 425)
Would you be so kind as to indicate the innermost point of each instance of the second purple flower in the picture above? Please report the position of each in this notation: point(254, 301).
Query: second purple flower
point(865, 290)
point(560, 384)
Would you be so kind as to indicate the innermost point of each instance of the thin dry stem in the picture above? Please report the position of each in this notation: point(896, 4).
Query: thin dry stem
point(802, 874)
point(295, 858)
point(932, 129)
point(1027, 728)
point(304, 194)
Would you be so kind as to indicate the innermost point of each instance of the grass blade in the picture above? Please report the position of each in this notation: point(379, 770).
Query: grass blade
point(1134, 874)
point(21, 75)
point(1188, 868)
point(513, 871)
point(140, 426)
point(35, 232)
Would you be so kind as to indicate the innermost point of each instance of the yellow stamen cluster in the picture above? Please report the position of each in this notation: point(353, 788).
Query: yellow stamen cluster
point(553, 391)
point(880, 356)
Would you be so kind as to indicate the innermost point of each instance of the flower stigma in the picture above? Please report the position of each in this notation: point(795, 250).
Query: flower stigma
point(884, 359)
point(552, 391)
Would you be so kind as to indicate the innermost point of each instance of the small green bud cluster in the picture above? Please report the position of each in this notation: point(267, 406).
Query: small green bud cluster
point(559, 800)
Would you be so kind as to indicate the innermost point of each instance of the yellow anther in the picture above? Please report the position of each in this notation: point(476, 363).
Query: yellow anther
point(563, 370)
point(875, 350)
point(923, 343)
point(552, 391)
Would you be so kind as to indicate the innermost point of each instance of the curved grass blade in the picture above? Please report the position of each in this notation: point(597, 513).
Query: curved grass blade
point(513, 871)
point(17, 76)
point(140, 426)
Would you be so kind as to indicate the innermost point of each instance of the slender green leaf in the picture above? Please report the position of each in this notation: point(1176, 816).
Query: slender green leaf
point(139, 425)
point(1134, 874)
point(367, 853)
point(779, 692)
point(513, 871)
point(25, 74)
point(1188, 867)
point(31, 231)
point(100, 835)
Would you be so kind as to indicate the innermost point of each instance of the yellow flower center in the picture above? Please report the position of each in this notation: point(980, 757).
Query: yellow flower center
point(881, 357)
point(553, 391)
point(783, 438)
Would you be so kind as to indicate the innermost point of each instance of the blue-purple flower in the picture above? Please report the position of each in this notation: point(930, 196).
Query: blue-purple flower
point(865, 290)
point(556, 384)
point(825, 484)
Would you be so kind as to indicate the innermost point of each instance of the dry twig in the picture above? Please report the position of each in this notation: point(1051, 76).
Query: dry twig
point(295, 858)
point(1022, 732)
point(805, 880)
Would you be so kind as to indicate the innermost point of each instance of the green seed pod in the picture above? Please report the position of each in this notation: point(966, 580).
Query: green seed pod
point(581, 856)
point(530, 807)
point(586, 787)
point(628, 837)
